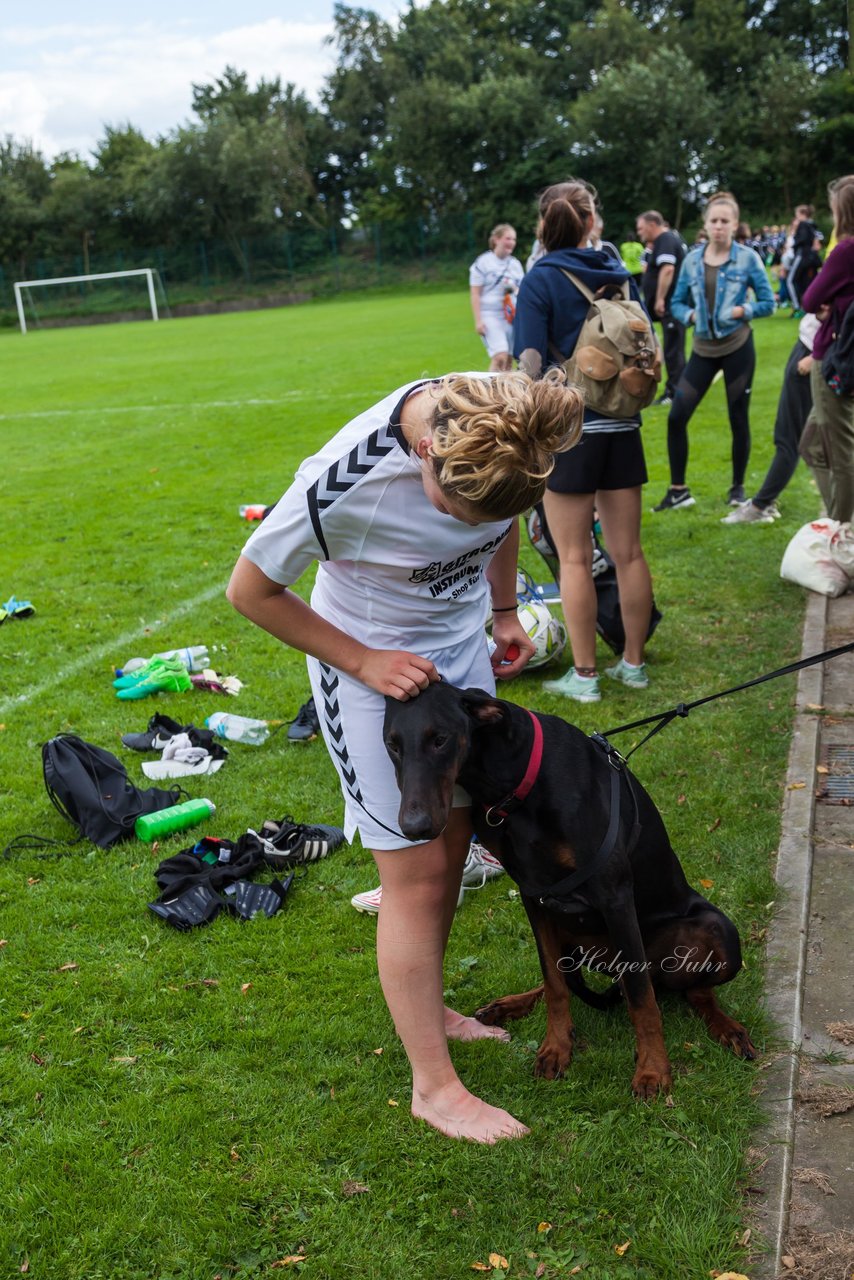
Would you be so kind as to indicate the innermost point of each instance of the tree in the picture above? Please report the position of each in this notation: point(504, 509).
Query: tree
point(24, 185)
point(69, 211)
point(660, 164)
point(228, 179)
point(123, 159)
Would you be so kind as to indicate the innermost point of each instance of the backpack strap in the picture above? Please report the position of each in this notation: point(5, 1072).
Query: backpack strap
point(591, 297)
point(554, 350)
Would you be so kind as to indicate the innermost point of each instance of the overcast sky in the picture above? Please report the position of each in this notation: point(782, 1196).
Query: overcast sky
point(68, 69)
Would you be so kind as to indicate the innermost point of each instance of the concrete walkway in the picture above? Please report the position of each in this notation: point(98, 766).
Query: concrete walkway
point(806, 1209)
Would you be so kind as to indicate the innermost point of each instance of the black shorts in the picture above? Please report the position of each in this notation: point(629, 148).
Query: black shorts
point(600, 460)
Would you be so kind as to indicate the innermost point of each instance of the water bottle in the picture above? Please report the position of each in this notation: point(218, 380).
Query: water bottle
point(252, 511)
point(238, 728)
point(153, 826)
point(194, 658)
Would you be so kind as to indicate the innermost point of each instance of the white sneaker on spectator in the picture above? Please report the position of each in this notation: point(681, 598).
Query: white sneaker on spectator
point(748, 513)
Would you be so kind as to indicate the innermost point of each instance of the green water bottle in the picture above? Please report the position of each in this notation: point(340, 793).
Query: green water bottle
point(154, 826)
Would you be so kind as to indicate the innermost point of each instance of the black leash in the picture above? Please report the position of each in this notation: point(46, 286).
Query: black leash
point(665, 717)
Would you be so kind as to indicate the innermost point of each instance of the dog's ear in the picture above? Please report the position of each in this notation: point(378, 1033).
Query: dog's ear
point(482, 707)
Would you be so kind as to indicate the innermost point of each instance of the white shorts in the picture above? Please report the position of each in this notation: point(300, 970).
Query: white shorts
point(351, 720)
point(498, 338)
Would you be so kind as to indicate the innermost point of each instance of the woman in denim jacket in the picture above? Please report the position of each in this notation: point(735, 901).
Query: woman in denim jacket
point(711, 293)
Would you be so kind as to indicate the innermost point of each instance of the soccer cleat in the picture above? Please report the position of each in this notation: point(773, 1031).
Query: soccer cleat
point(148, 671)
point(305, 726)
point(634, 677)
point(749, 513)
point(572, 685)
point(159, 677)
point(675, 498)
point(736, 496)
point(662, 401)
point(160, 731)
point(773, 511)
point(290, 844)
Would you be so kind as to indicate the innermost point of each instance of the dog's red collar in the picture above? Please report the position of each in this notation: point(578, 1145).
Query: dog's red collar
point(496, 814)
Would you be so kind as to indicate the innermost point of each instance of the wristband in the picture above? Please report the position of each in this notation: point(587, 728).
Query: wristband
point(508, 608)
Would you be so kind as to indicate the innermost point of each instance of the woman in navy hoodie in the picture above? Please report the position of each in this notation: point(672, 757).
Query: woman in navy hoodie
point(606, 469)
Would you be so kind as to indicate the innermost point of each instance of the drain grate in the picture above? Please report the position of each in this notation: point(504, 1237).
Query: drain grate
point(837, 775)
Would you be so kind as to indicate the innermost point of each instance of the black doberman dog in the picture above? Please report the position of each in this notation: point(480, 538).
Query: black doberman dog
point(588, 848)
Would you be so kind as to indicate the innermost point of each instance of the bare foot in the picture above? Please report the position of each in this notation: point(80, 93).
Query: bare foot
point(459, 1114)
point(458, 1027)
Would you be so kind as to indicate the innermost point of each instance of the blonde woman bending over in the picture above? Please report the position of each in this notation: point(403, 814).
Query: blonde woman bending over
point(410, 514)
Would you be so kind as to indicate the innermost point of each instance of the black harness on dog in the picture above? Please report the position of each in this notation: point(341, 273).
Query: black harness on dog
point(496, 814)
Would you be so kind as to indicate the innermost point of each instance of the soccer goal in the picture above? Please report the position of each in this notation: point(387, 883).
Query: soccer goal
point(23, 288)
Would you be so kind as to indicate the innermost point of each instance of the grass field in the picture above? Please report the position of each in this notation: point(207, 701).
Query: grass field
point(182, 1107)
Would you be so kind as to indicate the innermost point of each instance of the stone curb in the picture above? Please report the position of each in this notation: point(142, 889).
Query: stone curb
point(787, 943)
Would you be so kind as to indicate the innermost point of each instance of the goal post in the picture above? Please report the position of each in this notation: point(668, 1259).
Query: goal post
point(148, 272)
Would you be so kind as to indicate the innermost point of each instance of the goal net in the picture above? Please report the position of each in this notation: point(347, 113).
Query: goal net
point(105, 295)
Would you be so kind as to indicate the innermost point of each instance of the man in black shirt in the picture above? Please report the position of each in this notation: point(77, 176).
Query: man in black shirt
point(665, 253)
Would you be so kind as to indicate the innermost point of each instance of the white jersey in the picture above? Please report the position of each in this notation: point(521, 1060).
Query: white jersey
point(496, 277)
point(393, 572)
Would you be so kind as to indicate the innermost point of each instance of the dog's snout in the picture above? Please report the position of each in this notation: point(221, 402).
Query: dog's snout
point(417, 823)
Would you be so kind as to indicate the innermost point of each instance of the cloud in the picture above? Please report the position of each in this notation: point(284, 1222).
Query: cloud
point(80, 79)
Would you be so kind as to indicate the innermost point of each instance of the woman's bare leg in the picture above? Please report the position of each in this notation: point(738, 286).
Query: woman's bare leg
point(620, 515)
point(420, 888)
point(570, 520)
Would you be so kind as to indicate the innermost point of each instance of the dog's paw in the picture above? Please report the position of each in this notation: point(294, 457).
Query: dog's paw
point(508, 1008)
point(552, 1061)
point(493, 1014)
point(647, 1082)
point(737, 1038)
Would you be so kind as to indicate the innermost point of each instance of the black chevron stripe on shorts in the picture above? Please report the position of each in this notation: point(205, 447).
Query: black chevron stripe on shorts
point(346, 472)
point(337, 742)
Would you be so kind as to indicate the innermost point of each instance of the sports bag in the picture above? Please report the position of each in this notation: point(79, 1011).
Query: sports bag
point(609, 617)
point(616, 361)
point(837, 367)
point(820, 557)
point(91, 789)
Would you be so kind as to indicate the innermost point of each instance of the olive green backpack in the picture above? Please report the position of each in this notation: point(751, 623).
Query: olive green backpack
point(616, 362)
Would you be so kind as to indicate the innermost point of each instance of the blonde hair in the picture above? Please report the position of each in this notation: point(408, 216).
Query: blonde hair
point(841, 195)
point(498, 231)
point(722, 197)
point(494, 439)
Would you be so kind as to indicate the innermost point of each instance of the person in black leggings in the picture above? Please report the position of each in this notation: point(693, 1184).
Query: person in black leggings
point(712, 294)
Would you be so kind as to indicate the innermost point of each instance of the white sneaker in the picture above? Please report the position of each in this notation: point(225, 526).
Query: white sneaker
point(479, 867)
point(369, 902)
point(748, 513)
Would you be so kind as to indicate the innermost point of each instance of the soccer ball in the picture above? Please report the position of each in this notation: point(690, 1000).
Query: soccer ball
point(547, 634)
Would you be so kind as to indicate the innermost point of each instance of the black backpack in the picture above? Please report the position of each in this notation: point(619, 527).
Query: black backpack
point(837, 367)
point(90, 788)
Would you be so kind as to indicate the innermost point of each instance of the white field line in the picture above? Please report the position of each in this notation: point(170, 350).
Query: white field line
point(118, 648)
point(96, 410)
